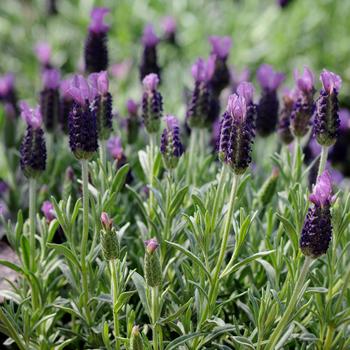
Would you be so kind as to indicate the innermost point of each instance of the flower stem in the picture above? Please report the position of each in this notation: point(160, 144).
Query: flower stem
point(297, 161)
point(218, 195)
point(103, 159)
point(291, 306)
point(191, 157)
point(85, 237)
point(323, 160)
point(32, 208)
point(115, 292)
point(329, 337)
point(154, 311)
point(152, 143)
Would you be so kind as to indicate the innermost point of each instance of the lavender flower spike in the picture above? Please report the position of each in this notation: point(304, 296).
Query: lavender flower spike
point(8, 97)
point(152, 267)
point(317, 230)
point(96, 52)
point(221, 46)
point(50, 98)
point(66, 104)
point(246, 90)
point(152, 103)
point(149, 62)
point(48, 210)
point(102, 104)
point(236, 135)
point(267, 112)
point(198, 111)
point(132, 121)
point(327, 109)
point(171, 147)
point(304, 104)
point(169, 28)
point(43, 53)
point(284, 129)
point(33, 148)
point(82, 119)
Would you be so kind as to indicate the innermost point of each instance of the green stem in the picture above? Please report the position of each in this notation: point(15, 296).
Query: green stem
point(103, 159)
point(323, 160)
point(32, 209)
point(151, 155)
point(115, 292)
point(154, 311)
point(218, 195)
point(85, 237)
point(275, 336)
point(329, 337)
point(191, 169)
point(296, 160)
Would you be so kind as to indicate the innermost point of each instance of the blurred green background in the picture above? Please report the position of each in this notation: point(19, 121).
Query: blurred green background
point(311, 32)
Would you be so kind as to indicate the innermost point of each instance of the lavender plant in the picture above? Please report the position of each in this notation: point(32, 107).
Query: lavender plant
point(158, 242)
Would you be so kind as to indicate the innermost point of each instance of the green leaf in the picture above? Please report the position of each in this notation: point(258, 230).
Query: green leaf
point(105, 336)
point(177, 201)
point(243, 341)
point(26, 252)
point(11, 329)
point(123, 300)
point(66, 252)
point(183, 339)
point(11, 266)
point(140, 285)
point(181, 310)
point(119, 178)
point(292, 234)
point(193, 258)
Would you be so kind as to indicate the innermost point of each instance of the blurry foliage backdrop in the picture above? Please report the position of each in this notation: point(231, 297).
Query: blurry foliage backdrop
point(311, 32)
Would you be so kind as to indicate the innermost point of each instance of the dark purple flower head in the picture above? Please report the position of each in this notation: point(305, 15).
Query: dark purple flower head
point(202, 70)
point(305, 81)
point(115, 148)
point(171, 146)
point(169, 25)
point(51, 78)
point(236, 135)
point(43, 53)
point(81, 91)
point(151, 245)
point(268, 78)
point(132, 122)
point(7, 84)
point(149, 37)
point(99, 82)
point(97, 24)
point(48, 210)
point(330, 81)
point(326, 122)
point(322, 191)
point(317, 230)
point(246, 90)
point(102, 104)
point(33, 148)
point(152, 103)
point(220, 46)
point(31, 116)
point(284, 127)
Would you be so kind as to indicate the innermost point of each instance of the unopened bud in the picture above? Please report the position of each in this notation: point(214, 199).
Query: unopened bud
point(153, 270)
point(109, 238)
point(136, 339)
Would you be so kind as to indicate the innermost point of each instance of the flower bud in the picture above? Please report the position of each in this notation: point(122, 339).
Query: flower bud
point(136, 342)
point(109, 238)
point(152, 268)
point(48, 210)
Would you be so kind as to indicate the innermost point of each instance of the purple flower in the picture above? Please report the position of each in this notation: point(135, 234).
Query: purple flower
point(99, 82)
point(171, 146)
point(149, 37)
point(97, 24)
point(284, 130)
point(317, 230)
point(344, 118)
point(51, 78)
point(33, 148)
point(246, 90)
point(268, 78)
point(96, 51)
point(132, 122)
point(322, 191)
point(152, 103)
point(151, 245)
point(132, 106)
point(43, 53)
point(305, 81)
point(30, 115)
point(80, 90)
point(121, 70)
point(202, 70)
point(169, 25)
point(7, 83)
point(106, 222)
point(3, 187)
point(115, 148)
point(220, 46)
point(326, 122)
point(236, 135)
point(331, 82)
point(150, 82)
point(48, 210)
point(238, 77)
